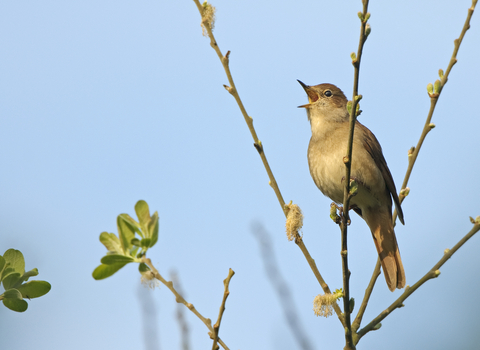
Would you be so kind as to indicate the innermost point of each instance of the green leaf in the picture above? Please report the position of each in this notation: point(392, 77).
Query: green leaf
point(34, 289)
point(135, 241)
point(16, 260)
point(2, 265)
point(111, 242)
point(142, 267)
point(103, 271)
point(15, 304)
point(135, 226)
point(31, 273)
point(112, 259)
point(134, 251)
point(145, 242)
point(11, 280)
point(143, 212)
point(12, 294)
point(125, 232)
point(153, 229)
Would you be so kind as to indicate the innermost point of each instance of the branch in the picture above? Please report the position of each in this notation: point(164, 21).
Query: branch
point(413, 152)
point(433, 273)
point(216, 326)
point(233, 91)
point(179, 299)
point(259, 146)
point(368, 292)
point(434, 94)
point(364, 31)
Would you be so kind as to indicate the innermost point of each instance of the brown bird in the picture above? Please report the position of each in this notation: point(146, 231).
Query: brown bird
point(329, 120)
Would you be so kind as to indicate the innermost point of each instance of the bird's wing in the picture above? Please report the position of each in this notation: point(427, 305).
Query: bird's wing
point(373, 147)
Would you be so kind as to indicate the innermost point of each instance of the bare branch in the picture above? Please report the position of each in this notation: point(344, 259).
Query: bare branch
point(433, 273)
point(349, 344)
point(179, 299)
point(216, 326)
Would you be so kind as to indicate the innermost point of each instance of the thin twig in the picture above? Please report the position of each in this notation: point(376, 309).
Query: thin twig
point(216, 326)
point(433, 101)
point(433, 273)
point(349, 344)
point(259, 147)
point(249, 120)
point(413, 152)
point(179, 299)
point(368, 292)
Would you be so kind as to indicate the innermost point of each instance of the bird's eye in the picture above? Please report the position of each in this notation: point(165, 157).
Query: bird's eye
point(328, 93)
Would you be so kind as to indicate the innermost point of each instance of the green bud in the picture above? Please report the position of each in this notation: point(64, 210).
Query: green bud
point(405, 191)
point(430, 88)
point(437, 273)
point(351, 304)
point(477, 220)
point(353, 190)
point(431, 125)
point(367, 17)
point(437, 86)
point(353, 56)
point(446, 251)
point(377, 326)
point(349, 107)
point(410, 151)
point(360, 15)
point(440, 73)
point(368, 29)
point(358, 97)
point(333, 213)
point(472, 220)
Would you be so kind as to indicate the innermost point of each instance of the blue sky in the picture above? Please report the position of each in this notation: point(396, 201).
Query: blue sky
point(105, 103)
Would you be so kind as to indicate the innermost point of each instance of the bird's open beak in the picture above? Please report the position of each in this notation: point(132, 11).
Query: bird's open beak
point(312, 95)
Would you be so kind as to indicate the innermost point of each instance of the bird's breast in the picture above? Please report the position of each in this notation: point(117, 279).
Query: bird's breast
point(327, 169)
point(325, 160)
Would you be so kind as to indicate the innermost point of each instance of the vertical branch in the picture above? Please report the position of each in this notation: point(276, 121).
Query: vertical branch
point(434, 91)
point(216, 326)
point(364, 31)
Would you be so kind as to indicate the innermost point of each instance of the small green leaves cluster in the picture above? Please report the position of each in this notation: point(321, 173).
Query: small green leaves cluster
point(350, 104)
point(133, 240)
point(14, 280)
point(435, 89)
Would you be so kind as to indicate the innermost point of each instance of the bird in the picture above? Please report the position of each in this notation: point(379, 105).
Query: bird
point(329, 121)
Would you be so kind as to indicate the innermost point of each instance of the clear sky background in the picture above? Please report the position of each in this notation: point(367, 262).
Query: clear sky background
point(103, 103)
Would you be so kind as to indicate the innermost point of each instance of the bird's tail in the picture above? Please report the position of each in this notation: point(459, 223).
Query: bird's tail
point(380, 223)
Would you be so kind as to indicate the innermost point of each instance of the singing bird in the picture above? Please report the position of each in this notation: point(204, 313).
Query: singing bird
point(329, 120)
